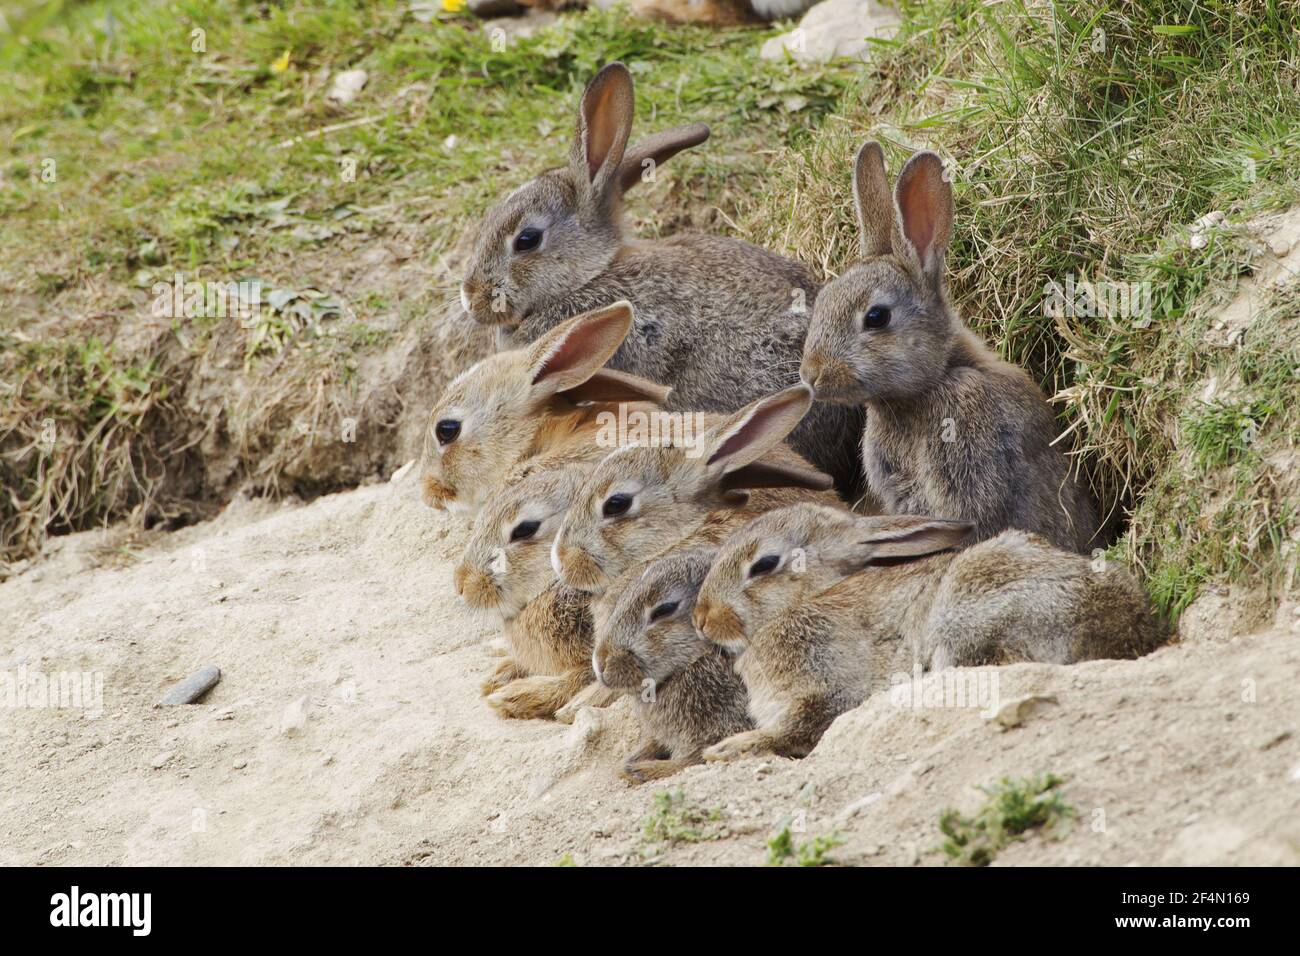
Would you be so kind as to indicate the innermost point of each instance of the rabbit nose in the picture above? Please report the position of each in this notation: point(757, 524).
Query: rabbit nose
point(458, 577)
point(700, 616)
point(810, 370)
point(598, 664)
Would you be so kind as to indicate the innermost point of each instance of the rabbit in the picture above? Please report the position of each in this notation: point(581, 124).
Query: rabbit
point(688, 694)
point(823, 606)
point(720, 320)
point(542, 403)
point(505, 569)
point(951, 429)
point(642, 499)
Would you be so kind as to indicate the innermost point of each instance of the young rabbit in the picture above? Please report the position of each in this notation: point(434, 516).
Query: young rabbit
point(951, 429)
point(824, 606)
point(539, 403)
point(688, 694)
point(720, 320)
point(641, 500)
point(506, 570)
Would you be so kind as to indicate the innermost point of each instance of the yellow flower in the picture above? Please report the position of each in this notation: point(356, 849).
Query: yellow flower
point(281, 64)
point(453, 6)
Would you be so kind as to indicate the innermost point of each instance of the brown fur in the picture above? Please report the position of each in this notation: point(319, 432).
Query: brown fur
point(721, 320)
point(855, 600)
point(687, 692)
point(951, 429)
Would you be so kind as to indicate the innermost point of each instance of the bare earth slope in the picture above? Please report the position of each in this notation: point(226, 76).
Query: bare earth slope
point(347, 727)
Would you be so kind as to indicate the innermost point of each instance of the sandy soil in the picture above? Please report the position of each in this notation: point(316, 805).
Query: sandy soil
point(347, 727)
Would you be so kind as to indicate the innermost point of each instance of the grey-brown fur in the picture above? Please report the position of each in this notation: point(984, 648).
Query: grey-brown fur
point(857, 599)
point(951, 429)
point(721, 320)
point(687, 692)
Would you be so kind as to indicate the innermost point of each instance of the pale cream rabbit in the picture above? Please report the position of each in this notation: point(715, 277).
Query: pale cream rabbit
point(540, 403)
point(506, 570)
point(643, 499)
point(823, 606)
point(687, 692)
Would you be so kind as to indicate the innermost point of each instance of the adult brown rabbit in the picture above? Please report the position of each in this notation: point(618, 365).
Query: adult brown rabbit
point(720, 320)
point(951, 429)
point(824, 606)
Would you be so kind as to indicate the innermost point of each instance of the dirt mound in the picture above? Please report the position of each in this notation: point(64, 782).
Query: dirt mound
point(347, 726)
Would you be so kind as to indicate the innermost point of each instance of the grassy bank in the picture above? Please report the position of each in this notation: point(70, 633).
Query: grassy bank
point(1085, 139)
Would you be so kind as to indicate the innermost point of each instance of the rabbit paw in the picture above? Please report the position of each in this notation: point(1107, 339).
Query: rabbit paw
point(593, 695)
point(641, 771)
point(528, 698)
point(739, 745)
point(506, 671)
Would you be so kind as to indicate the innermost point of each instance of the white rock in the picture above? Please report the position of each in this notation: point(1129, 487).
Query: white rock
point(834, 29)
point(346, 86)
point(294, 719)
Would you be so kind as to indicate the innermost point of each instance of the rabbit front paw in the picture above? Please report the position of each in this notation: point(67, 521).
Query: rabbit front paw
point(748, 744)
point(529, 698)
point(506, 671)
point(642, 771)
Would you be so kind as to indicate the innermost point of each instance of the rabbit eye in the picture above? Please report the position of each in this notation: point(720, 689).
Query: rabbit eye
point(663, 611)
point(446, 431)
point(528, 240)
point(764, 564)
point(616, 505)
point(877, 317)
point(524, 530)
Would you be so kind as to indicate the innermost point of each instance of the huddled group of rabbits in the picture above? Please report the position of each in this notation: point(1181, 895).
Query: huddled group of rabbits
point(720, 578)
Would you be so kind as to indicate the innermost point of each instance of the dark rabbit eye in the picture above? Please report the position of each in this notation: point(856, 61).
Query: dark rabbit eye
point(524, 530)
point(877, 317)
point(616, 505)
point(528, 240)
point(764, 564)
point(446, 431)
point(662, 611)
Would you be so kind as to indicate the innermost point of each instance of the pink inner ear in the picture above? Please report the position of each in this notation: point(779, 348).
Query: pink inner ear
point(576, 346)
point(600, 131)
point(749, 432)
point(919, 204)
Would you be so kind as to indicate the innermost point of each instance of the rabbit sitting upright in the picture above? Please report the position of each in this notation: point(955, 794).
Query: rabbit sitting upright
point(823, 606)
point(951, 429)
point(687, 692)
point(720, 320)
point(541, 404)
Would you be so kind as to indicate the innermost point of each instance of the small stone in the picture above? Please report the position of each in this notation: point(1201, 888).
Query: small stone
point(346, 86)
point(857, 806)
point(1015, 712)
point(160, 760)
point(294, 719)
point(239, 764)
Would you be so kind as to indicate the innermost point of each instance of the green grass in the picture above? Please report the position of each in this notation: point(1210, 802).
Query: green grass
point(1014, 808)
point(1087, 153)
point(782, 849)
point(220, 166)
point(1085, 139)
point(675, 819)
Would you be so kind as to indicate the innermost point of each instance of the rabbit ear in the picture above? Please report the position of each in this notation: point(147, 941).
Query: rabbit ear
point(574, 350)
point(766, 474)
point(924, 200)
point(911, 537)
point(871, 197)
point(754, 430)
point(657, 149)
point(604, 123)
point(609, 385)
